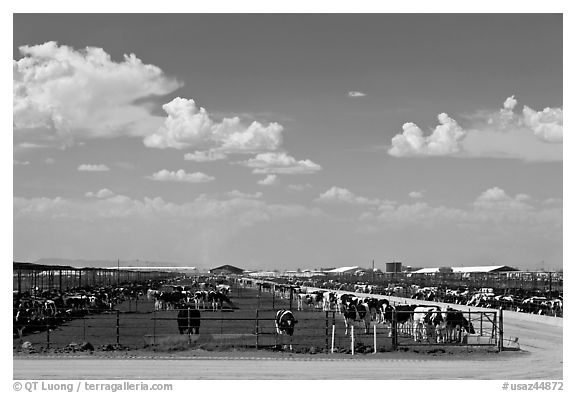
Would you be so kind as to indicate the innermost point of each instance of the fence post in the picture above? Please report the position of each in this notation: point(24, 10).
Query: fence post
point(327, 331)
point(352, 341)
point(394, 330)
point(117, 326)
point(291, 295)
point(84, 328)
point(375, 350)
point(188, 326)
point(500, 329)
point(257, 328)
point(481, 314)
point(154, 326)
point(47, 337)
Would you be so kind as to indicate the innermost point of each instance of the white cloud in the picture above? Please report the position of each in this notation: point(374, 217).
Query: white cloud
point(93, 168)
point(356, 94)
point(444, 140)
point(501, 134)
point(190, 126)
point(342, 195)
point(101, 194)
point(244, 195)
point(22, 163)
point(497, 199)
point(280, 163)
point(493, 207)
point(268, 180)
point(299, 187)
point(61, 94)
point(205, 156)
point(546, 124)
point(50, 161)
point(416, 194)
point(181, 176)
point(240, 210)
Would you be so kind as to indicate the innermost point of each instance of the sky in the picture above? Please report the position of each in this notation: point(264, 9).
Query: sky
point(284, 141)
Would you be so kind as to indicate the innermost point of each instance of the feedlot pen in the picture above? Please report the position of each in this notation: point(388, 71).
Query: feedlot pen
point(249, 325)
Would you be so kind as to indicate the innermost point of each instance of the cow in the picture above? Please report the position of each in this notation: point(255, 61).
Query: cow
point(356, 310)
point(328, 300)
point(455, 322)
point(200, 298)
point(188, 320)
point(404, 318)
point(285, 323)
point(377, 308)
point(217, 299)
point(342, 301)
point(426, 318)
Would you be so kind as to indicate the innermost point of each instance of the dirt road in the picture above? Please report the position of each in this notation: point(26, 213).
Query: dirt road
point(541, 358)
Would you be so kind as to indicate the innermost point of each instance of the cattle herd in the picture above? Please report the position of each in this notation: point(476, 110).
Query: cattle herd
point(39, 310)
point(513, 299)
point(422, 322)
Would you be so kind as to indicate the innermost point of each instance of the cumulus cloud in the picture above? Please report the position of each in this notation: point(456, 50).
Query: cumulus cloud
point(546, 124)
point(181, 176)
point(299, 187)
point(238, 210)
point(444, 140)
point(356, 94)
point(93, 168)
point(188, 125)
point(23, 163)
point(61, 94)
point(497, 198)
point(416, 194)
point(268, 180)
point(343, 195)
point(499, 134)
point(280, 163)
point(493, 209)
point(101, 194)
point(244, 195)
point(205, 156)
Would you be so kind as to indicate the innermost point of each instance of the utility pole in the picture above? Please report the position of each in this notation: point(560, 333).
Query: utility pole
point(372, 270)
point(118, 273)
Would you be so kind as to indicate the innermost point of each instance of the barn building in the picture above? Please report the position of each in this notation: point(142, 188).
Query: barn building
point(466, 269)
point(226, 269)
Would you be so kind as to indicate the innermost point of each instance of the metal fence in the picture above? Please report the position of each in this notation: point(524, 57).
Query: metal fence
point(29, 277)
point(316, 331)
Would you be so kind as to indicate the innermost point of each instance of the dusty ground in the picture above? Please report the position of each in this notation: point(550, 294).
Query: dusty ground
point(540, 358)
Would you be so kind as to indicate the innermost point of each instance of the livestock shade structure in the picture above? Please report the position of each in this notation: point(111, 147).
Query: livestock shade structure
point(468, 269)
point(227, 269)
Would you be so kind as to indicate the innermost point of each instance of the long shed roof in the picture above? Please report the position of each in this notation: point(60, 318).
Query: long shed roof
point(469, 269)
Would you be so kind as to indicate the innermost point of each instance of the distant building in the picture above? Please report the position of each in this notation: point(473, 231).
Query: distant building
point(343, 270)
point(467, 269)
point(226, 269)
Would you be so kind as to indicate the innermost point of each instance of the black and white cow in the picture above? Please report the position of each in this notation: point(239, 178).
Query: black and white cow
point(356, 311)
point(426, 318)
point(377, 308)
point(285, 323)
point(404, 318)
point(189, 320)
point(328, 300)
point(455, 323)
point(216, 299)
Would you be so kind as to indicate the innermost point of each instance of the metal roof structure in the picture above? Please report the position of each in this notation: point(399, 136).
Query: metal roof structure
point(469, 269)
point(344, 269)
